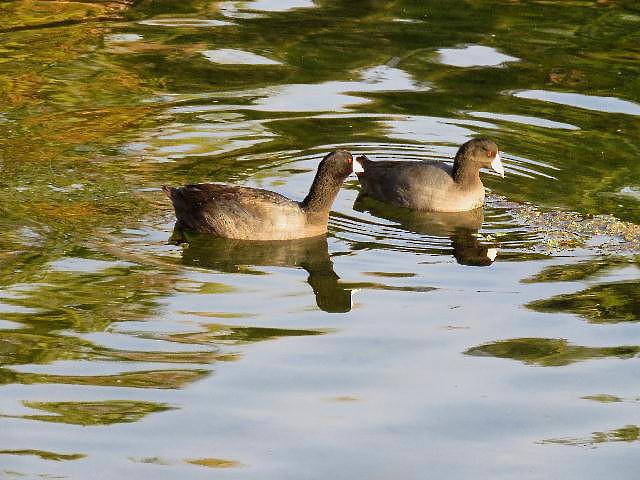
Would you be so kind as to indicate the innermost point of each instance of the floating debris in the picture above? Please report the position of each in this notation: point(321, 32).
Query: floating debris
point(564, 230)
point(215, 463)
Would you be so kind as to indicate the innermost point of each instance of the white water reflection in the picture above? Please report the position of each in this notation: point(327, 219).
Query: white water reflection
point(276, 5)
point(184, 22)
point(123, 38)
point(407, 20)
point(416, 128)
point(630, 192)
point(7, 325)
point(220, 133)
point(627, 193)
point(588, 102)
point(247, 10)
point(235, 10)
point(231, 56)
point(525, 120)
point(474, 56)
point(85, 265)
point(334, 95)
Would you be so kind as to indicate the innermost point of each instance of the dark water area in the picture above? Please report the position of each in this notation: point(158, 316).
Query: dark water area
point(402, 345)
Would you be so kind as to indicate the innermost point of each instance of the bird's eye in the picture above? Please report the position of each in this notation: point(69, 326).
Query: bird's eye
point(490, 154)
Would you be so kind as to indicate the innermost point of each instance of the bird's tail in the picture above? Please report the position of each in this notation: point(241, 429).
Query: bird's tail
point(167, 192)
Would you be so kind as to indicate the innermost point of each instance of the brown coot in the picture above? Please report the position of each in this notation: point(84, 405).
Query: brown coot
point(254, 214)
point(432, 186)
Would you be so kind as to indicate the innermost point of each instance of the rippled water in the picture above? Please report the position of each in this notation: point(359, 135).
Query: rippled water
point(402, 345)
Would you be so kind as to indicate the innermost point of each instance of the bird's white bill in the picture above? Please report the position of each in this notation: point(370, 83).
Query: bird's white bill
point(492, 253)
point(496, 164)
point(357, 166)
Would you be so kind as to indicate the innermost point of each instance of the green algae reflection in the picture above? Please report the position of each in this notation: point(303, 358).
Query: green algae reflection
point(231, 335)
point(20, 348)
point(156, 379)
point(45, 455)
point(94, 413)
point(215, 463)
point(549, 352)
point(627, 434)
point(600, 303)
point(606, 303)
point(582, 270)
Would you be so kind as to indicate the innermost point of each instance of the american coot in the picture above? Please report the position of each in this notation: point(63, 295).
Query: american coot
point(254, 214)
point(432, 186)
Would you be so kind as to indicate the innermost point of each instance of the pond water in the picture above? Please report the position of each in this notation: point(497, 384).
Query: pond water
point(401, 346)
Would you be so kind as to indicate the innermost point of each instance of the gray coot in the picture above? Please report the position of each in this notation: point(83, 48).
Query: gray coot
point(432, 186)
point(254, 214)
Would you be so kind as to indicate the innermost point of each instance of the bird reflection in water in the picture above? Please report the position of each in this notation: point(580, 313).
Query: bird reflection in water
point(460, 227)
point(229, 255)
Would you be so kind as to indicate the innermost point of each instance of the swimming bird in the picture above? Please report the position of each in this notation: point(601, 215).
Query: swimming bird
point(429, 185)
point(246, 213)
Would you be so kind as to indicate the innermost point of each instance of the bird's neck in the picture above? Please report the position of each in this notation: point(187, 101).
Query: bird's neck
point(465, 171)
point(322, 193)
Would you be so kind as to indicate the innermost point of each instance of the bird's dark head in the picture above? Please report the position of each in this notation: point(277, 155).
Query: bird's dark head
point(338, 164)
point(483, 152)
point(332, 171)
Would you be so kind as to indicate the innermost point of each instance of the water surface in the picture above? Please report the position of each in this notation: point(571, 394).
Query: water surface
point(401, 345)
